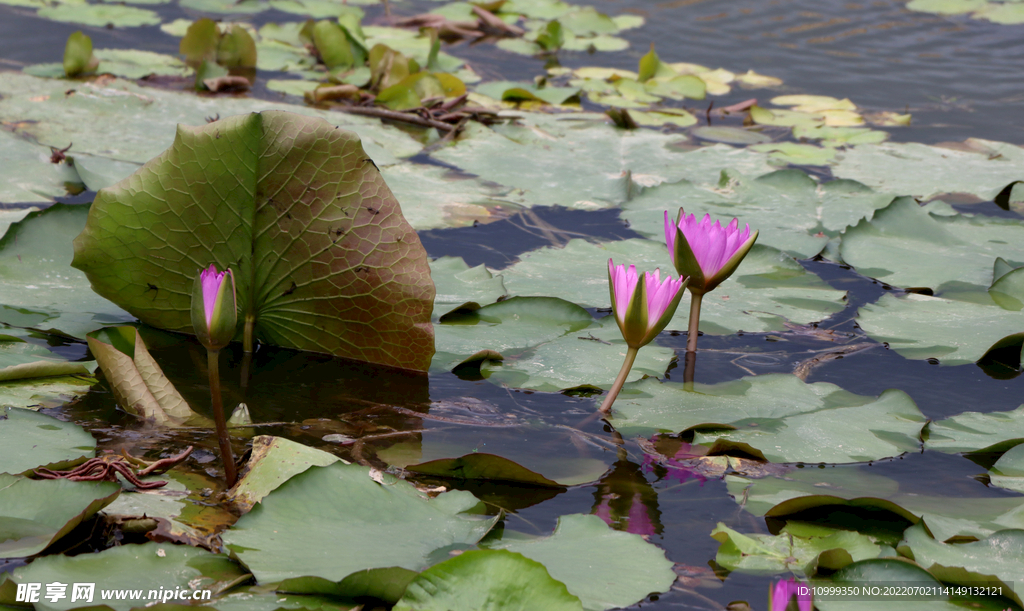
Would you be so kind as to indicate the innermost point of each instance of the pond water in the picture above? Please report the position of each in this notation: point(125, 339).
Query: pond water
point(958, 77)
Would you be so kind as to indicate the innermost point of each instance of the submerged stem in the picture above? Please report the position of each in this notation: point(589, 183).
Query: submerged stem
point(250, 322)
point(692, 332)
point(606, 407)
point(213, 358)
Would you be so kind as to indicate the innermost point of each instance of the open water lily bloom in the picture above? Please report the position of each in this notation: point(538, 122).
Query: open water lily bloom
point(642, 309)
point(707, 253)
point(214, 313)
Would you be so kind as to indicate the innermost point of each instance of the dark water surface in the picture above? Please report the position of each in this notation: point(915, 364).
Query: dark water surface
point(959, 77)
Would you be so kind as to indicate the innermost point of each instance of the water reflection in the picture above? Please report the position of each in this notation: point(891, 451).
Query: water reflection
point(626, 501)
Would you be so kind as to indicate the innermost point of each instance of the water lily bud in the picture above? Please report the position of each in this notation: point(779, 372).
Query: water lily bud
point(785, 590)
point(707, 253)
point(214, 314)
point(642, 309)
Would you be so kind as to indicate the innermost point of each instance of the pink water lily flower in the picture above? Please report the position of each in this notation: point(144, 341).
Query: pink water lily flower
point(642, 309)
point(707, 253)
point(785, 591)
point(214, 313)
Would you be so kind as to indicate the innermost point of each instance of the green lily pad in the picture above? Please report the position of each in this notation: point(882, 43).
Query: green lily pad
point(482, 466)
point(32, 440)
point(487, 579)
point(244, 7)
point(1008, 471)
point(125, 122)
point(35, 274)
point(624, 571)
point(976, 432)
point(592, 355)
point(510, 91)
point(296, 87)
point(34, 514)
point(380, 316)
point(924, 171)
point(840, 136)
point(297, 529)
point(434, 197)
point(783, 417)
point(791, 210)
point(947, 7)
point(993, 561)
point(273, 461)
point(782, 153)
point(21, 360)
point(541, 156)
point(100, 15)
point(140, 571)
point(1007, 13)
point(906, 245)
point(789, 552)
point(768, 289)
point(457, 283)
point(37, 393)
point(102, 172)
point(506, 327)
point(729, 135)
point(26, 174)
point(137, 63)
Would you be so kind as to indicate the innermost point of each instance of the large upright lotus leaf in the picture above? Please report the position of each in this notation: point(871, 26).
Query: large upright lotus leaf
point(434, 197)
point(979, 167)
point(487, 580)
point(298, 529)
point(994, 561)
point(605, 568)
point(34, 514)
point(457, 283)
point(592, 355)
point(976, 431)
point(323, 259)
point(29, 440)
point(905, 245)
point(35, 275)
point(136, 570)
point(1008, 471)
point(123, 121)
point(785, 418)
point(26, 174)
point(955, 332)
point(21, 360)
point(787, 207)
point(768, 288)
point(541, 154)
point(762, 554)
point(509, 326)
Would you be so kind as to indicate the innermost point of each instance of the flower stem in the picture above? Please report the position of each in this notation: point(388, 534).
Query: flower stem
point(250, 322)
point(689, 367)
point(213, 358)
point(606, 407)
point(692, 332)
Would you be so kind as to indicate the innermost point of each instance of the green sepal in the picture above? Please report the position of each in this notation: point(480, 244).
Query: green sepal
point(686, 262)
point(666, 316)
point(730, 265)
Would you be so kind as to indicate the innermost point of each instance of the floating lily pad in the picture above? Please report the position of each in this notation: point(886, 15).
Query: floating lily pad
point(906, 245)
point(981, 167)
point(37, 393)
point(768, 288)
point(226, 6)
point(509, 326)
point(30, 440)
point(136, 570)
point(329, 249)
point(791, 210)
point(541, 157)
point(479, 579)
point(783, 417)
point(516, 92)
point(789, 552)
point(136, 63)
point(993, 561)
point(21, 360)
point(782, 153)
point(34, 514)
point(976, 432)
point(273, 461)
point(298, 528)
point(35, 274)
point(626, 569)
point(946, 7)
point(100, 15)
point(26, 175)
point(592, 355)
point(729, 135)
point(457, 283)
point(1008, 471)
point(102, 172)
